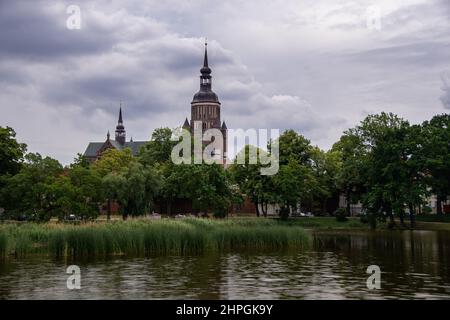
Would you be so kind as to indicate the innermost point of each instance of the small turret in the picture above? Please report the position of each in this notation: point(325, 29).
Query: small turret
point(186, 124)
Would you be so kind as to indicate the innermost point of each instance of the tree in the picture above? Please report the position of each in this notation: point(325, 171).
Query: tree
point(325, 168)
point(392, 166)
point(43, 189)
point(80, 161)
point(11, 152)
point(350, 154)
point(291, 185)
point(113, 161)
point(212, 190)
point(86, 196)
point(295, 181)
point(249, 179)
point(29, 193)
point(159, 149)
point(436, 147)
point(294, 146)
point(134, 188)
point(206, 185)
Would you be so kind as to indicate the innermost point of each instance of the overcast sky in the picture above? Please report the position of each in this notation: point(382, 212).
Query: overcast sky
point(316, 66)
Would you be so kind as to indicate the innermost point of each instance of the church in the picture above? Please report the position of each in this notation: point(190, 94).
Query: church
point(205, 114)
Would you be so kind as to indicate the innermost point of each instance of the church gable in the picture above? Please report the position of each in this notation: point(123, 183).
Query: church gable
point(107, 145)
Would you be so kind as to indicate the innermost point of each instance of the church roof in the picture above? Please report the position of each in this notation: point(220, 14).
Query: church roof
point(205, 96)
point(94, 147)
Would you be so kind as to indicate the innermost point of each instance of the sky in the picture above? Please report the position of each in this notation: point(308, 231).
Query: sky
point(315, 66)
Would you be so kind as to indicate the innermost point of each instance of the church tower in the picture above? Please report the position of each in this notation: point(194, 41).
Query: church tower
point(120, 129)
point(205, 106)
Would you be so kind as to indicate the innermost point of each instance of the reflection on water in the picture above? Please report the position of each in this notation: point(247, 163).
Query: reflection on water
point(414, 265)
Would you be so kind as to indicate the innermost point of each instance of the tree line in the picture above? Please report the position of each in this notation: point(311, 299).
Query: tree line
point(385, 163)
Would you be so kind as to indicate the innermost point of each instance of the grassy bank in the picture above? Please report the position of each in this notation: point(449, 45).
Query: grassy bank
point(433, 218)
point(144, 237)
point(330, 223)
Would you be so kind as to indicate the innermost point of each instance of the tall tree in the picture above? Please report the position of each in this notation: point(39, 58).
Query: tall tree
point(294, 146)
point(11, 152)
point(134, 188)
point(159, 149)
point(113, 161)
point(29, 192)
point(392, 166)
point(248, 177)
point(325, 168)
point(350, 154)
point(436, 145)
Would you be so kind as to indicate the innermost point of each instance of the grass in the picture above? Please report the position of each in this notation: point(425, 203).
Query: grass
point(145, 238)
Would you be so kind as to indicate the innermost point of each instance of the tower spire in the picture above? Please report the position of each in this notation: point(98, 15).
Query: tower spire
point(205, 59)
point(120, 129)
point(120, 114)
point(205, 94)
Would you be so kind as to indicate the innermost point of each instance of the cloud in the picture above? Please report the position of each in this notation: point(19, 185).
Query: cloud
point(312, 66)
point(445, 98)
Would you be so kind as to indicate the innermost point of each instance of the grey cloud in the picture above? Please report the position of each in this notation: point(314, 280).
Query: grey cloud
point(31, 31)
point(424, 54)
point(267, 73)
point(445, 98)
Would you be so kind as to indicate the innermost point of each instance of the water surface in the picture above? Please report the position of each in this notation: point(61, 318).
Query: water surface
point(414, 265)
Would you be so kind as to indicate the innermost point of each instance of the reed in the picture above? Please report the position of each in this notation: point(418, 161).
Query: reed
point(147, 238)
point(3, 244)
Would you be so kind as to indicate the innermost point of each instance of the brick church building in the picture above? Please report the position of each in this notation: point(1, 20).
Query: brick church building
point(205, 114)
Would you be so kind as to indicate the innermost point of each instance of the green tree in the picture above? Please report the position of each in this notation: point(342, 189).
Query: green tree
point(391, 166)
point(134, 188)
point(212, 190)
point(249, 179)
point(113, 161)
point(325, 168)
point(30, 191)
point(86, 194)
point(293, 146)
point(80, 161)
point(436, 148)
point(291, 185)
point(11, 152)
point(159, 149)
point(350, 153)
point(295, 181)
point(207, 186)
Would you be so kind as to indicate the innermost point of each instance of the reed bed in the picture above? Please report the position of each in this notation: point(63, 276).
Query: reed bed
point(3, 244)
point(150, 237)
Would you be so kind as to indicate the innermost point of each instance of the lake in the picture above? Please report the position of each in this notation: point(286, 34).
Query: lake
point(414, 265)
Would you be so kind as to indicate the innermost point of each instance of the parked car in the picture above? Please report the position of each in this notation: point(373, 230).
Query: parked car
point(302, 214)
point(72, 217)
